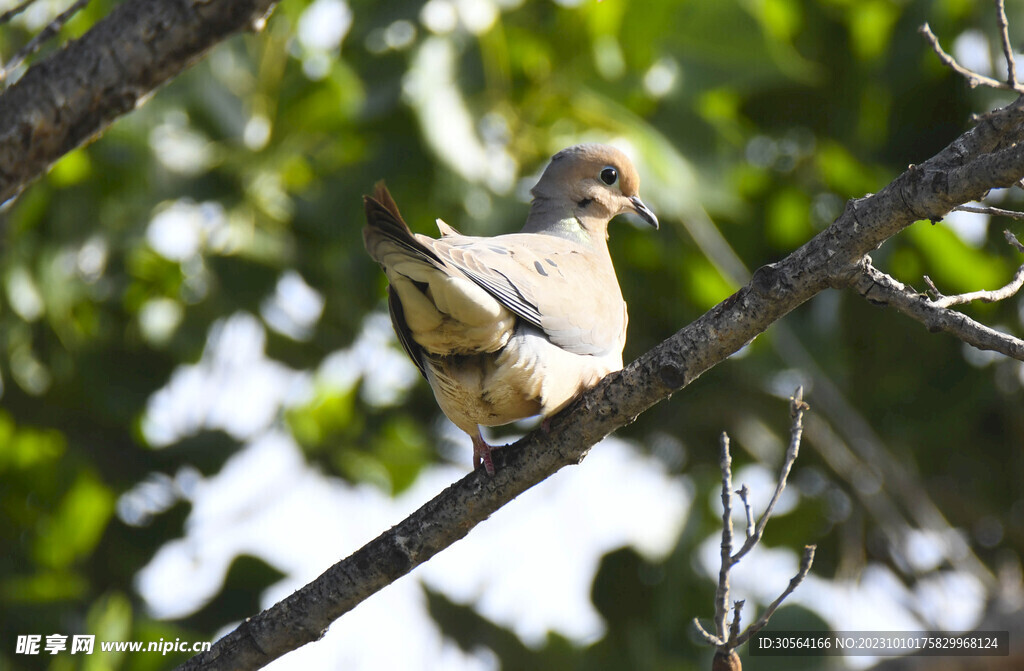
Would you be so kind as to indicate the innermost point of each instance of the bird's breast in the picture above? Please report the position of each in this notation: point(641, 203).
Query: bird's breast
point(528, 376)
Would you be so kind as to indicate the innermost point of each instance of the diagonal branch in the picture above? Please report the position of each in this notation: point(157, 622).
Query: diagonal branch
point(990, 155)
point(45, 34)
point(14, 11)
point(72, 95)
point(806, 560)
point(973, 78)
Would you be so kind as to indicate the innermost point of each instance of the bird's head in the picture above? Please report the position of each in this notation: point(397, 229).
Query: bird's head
point(594, 182)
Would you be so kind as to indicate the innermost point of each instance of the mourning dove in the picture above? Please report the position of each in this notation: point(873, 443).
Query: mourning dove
point(514, 325)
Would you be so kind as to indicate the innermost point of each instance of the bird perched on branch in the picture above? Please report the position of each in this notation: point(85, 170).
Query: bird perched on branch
point(514, 325)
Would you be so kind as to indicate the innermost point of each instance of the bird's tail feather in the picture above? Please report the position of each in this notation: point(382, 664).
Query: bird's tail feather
point(385, 225)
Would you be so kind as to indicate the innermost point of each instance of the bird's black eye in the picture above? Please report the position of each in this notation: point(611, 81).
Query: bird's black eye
point(609, 175)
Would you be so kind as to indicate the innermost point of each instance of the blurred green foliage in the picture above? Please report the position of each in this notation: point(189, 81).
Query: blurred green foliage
point(752, 124)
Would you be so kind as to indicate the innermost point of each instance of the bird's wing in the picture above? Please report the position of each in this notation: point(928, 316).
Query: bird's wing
point(567, 289)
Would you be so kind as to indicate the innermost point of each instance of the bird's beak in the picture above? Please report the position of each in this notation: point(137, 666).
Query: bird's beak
point(645, 212)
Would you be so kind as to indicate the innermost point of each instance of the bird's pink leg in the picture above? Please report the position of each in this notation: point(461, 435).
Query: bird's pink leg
point(482, 452)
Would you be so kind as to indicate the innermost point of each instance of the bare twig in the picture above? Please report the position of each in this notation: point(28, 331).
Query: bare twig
point(805, 567)
point(986, 209)
point(882, 289)
point(984, 296)
point(46, 33)
point(708, 637)
point(797, 408)
point(1004, 36)
point(734, 627)
point(1014, 242)
point(973, 78)
point(722, 593)
point(14, 11)
point(729, 636)
point(744, 493)
point(939, 300)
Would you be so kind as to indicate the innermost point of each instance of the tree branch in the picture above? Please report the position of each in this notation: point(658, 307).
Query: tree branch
point(46, 33)
point(71, 96)
point(985, 157)
point(806, 560)
point(993, 211)
point(1004, 38)
point(14, 11)
point(984, 296)
point(973, 78)
point(883, 289)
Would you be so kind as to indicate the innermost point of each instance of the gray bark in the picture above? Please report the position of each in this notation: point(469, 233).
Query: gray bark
point(71, 96)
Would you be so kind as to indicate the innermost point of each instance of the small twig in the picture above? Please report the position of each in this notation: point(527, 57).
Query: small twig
point(46, 33)
point(933, 291)
point(744, 493)
point(797, 408)
point(708, 637)
point(984, 296)
point(805, 567)
point(1004, 35)
point(1014, 242)
point(14, 11)
point(992, 296)
point(728, 639)
point(985, 209)
point(734, 627)
point(722, 593)
point(973, 78)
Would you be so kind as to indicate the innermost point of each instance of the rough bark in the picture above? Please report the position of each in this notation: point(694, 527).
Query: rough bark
point(72, 95)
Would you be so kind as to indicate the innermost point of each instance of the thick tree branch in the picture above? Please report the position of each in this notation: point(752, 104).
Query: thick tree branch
point(987, 156)
point(74, 94)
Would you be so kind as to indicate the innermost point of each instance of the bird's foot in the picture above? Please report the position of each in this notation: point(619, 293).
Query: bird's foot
point(482, 453)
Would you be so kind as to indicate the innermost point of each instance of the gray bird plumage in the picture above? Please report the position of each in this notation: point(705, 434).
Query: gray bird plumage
point(513, 325)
